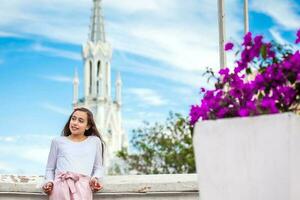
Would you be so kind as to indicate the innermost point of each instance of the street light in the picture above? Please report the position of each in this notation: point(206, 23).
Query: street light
point(221, 20)
point(246, 17)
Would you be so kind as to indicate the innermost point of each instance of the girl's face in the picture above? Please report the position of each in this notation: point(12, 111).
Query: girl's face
point(78, 123)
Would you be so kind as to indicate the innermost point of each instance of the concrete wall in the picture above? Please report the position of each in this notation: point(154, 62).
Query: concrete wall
point(253, 158)
point(160, 187)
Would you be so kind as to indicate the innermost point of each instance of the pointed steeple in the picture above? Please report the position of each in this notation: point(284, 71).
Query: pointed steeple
point(97, 32)
point(119, 80)
point(119, 89)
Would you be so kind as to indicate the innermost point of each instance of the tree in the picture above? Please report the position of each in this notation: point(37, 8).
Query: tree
point(162, 148)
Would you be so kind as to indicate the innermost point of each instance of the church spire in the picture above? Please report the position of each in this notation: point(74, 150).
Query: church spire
point(97, 23)
point(119, 89)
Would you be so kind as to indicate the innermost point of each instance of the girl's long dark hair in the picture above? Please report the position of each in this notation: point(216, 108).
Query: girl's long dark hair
point(91, 131)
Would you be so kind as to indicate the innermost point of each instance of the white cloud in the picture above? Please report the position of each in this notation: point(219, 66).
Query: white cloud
point(36, 154)
point(20, 150)
point(188, 41)
point(183, 35)
point(132, 6)
point(59, 78)
point(7, 139)
point(175, 46)
point(277, 37)
point(7, 34)
point(56, 52)
point(285, 13)
point(141, 116)
point(148, 96)
point(131, 123)
point(151, 116)
point(24, 153)
point(52, 19)
point(55, 108)
point(193, 79)
point(4, 166)
point(25, 137)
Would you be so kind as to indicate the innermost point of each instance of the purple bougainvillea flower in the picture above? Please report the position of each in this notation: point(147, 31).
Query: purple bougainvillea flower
point(271, 54)
point(247, 39)
point(298, 37)
point(222, 112)
point(272, 87)
point(236, 81)
point(287, 65)
point(269, 104)
point(240, 66)
point(224, 71)
point(295, 61)
point(195, 114)
point(236, 93)
point(259, 82)
point(238, 69)
point(287, 93)
point(251, 106)
point(209, 94)
point(225, 74)
point(258, 39)
point(298, 77)
point(244, 112)
point(228, 46)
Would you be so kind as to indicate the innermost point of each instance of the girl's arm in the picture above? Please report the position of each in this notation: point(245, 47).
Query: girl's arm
point(98, 168)
point(51, 164)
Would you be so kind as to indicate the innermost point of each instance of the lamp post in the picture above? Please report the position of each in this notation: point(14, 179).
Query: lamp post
point(246, 17)
point(221, 20)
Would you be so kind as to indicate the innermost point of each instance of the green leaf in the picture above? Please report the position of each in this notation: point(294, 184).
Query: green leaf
point(263, 51)
point(248, 71)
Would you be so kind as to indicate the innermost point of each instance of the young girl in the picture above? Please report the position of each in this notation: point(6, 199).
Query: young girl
point(75, 162)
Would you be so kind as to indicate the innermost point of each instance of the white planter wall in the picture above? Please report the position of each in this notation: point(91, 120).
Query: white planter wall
point(255, 158)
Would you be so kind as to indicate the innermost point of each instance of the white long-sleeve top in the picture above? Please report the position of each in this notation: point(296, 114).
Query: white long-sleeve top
point(83, 157)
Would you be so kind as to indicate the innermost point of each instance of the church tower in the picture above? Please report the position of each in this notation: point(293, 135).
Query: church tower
point(97, 54)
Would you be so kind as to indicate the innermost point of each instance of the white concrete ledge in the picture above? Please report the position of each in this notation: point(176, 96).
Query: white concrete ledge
point(166, 186)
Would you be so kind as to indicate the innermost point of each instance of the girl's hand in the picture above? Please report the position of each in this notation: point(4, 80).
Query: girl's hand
point(48, 187)
point(95, 185)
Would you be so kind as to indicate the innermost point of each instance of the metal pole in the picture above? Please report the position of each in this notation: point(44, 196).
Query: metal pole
point(246, 17)
point(221, 20)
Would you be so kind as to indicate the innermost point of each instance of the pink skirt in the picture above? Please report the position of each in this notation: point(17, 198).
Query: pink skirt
point(71, 186)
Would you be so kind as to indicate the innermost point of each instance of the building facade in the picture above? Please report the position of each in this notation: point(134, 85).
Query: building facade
point(97, 55)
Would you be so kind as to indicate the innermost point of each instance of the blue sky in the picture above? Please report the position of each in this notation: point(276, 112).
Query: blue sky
point(160, 47)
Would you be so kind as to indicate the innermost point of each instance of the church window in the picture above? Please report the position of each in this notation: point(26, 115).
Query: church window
point(98, 74)
point(90, 84)
point(109, 131)
point(107, 78)
point(98, 68)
